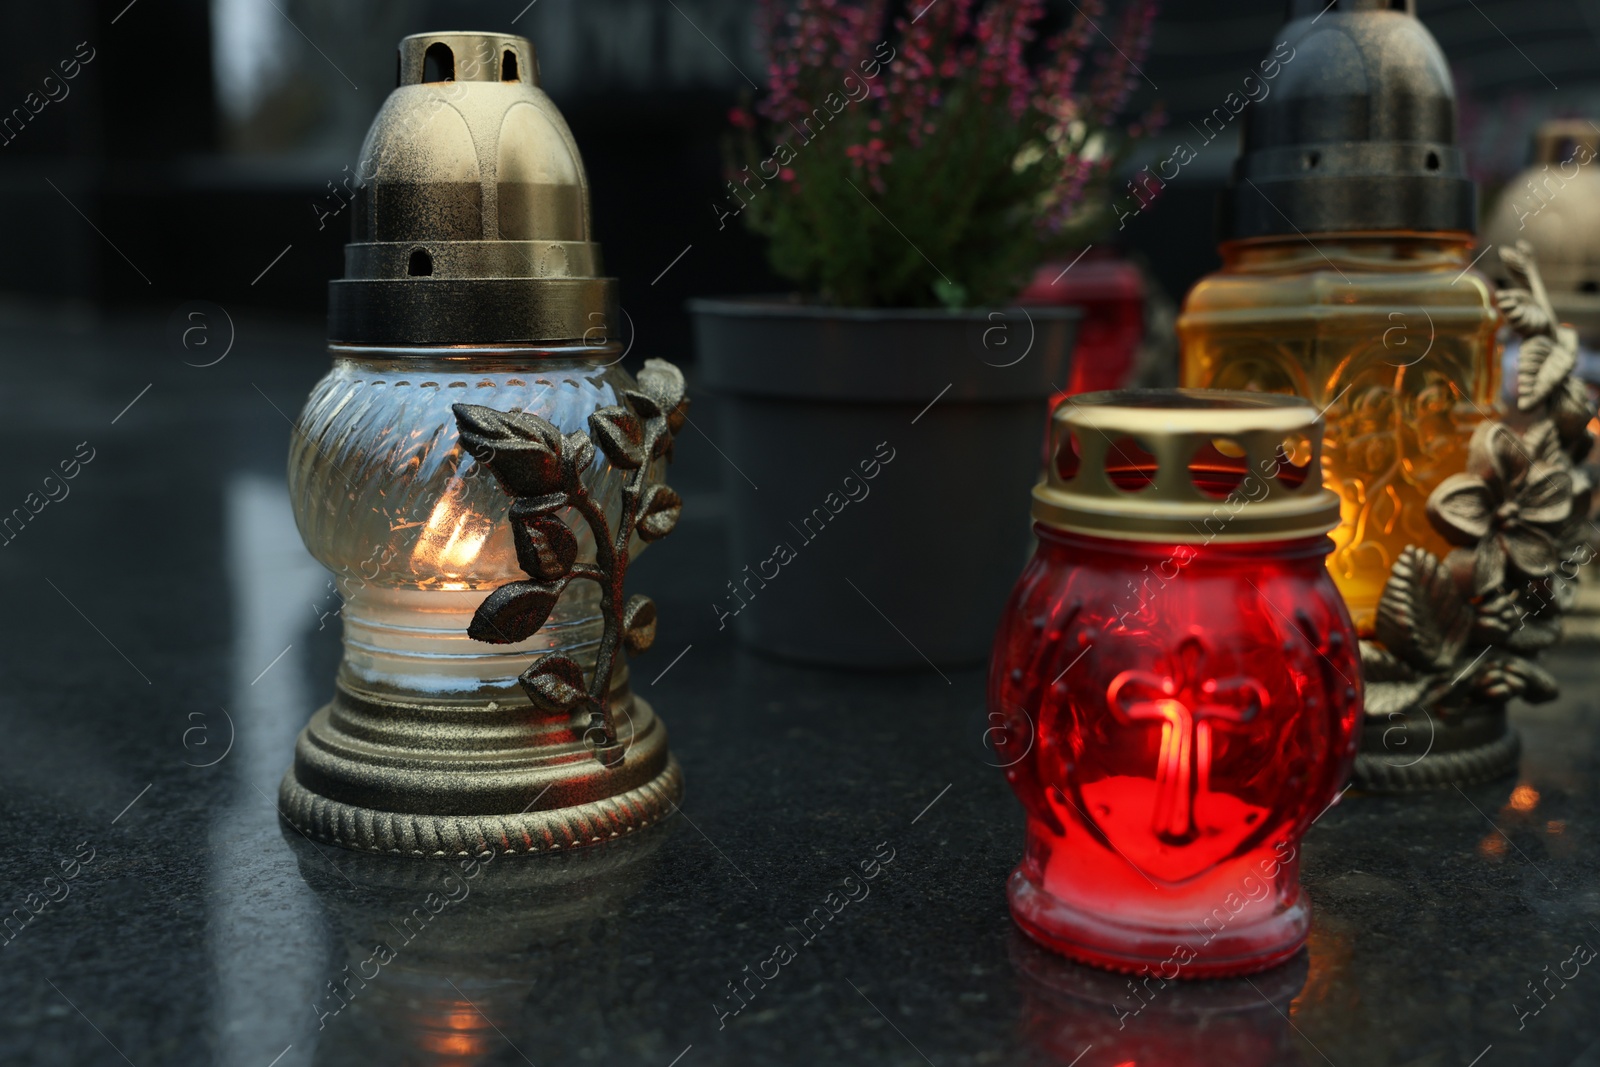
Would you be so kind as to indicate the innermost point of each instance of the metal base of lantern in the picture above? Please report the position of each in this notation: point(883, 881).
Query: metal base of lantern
point(419, 779)
point(1416, 750)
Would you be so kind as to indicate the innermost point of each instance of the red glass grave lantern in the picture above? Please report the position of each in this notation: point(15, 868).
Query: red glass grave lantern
point(1178, 681)
point(1111, 292)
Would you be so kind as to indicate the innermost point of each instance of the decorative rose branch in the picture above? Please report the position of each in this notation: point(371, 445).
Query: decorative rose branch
point(543, 471)
point(1467, 629)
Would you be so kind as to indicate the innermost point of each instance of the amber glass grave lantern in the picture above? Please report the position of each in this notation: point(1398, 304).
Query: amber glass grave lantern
point(476, 471)
point(1347, 275)
point(1176, 681)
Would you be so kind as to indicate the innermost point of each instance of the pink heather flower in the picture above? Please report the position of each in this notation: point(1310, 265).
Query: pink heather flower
point(810, 47)
point(1116, 77)
point(977, 61)
point(913, 88)
point(1059, 79)
point(871, 157)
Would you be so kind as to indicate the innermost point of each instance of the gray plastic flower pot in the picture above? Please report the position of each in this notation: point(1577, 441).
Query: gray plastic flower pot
point(880, 469)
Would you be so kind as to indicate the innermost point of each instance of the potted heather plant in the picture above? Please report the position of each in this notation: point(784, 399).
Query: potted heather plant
point(909, 174)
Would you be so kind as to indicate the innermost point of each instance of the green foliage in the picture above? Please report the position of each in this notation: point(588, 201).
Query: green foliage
point(942, 175)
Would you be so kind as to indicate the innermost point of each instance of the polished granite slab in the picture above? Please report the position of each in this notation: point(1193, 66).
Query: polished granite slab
point(168, 636)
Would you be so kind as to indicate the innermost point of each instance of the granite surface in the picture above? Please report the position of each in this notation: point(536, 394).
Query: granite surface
point(169, 636)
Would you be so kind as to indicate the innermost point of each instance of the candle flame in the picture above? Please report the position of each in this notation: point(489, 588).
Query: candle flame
point(452, 538)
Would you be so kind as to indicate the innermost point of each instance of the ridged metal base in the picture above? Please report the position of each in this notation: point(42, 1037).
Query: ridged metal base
point(1378, 773)
point(406, 834)
point(421, 779)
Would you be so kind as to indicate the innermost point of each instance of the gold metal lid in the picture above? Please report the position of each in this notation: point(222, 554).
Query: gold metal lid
point(471, 214)
point(1187, 466)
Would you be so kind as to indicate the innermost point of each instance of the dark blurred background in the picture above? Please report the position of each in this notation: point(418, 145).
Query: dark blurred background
point(196, 154)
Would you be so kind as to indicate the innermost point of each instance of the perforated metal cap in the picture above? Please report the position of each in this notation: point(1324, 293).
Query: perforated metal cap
point(1186, 466)
point(1356, 130)
point(471, 218)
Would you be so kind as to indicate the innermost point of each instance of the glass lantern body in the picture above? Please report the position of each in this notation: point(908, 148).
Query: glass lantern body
point(415, 530)
point(1392, 333)
point(1173, 717)
point(1111, 292)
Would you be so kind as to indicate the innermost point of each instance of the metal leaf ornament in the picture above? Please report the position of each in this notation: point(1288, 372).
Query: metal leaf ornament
point(525, 449)
point(545, 541)
point(542, 469)
point(1422, 617)
point(1462, 633)
point(1542, 366)
point(1522, 311)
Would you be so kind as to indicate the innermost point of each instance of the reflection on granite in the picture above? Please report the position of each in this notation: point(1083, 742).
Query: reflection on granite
point(439, 962)
point(1069, 1011)
point(170, 636)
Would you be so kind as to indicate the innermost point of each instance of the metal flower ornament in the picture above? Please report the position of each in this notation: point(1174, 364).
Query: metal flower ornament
point(542, 469)
point(1512, 506)
point(1459, 637)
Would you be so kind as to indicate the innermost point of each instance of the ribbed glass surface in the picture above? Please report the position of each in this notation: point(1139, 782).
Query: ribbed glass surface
point(415, 530)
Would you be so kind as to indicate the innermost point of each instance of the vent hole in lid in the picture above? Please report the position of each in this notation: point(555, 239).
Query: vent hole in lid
point(1293, 460)
point(1433, 161)
point(1068, 458)
point(421, 265)
point(438, 63)
point(1129, 465)
point(1312, 159)
point(1589, 287)
point(508, 67)
point(1219, 467)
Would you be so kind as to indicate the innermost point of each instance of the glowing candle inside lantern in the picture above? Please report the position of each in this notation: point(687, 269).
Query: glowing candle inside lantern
point(1177, 680)
point(452, 538)
point(472, 282)
point(1348, 275)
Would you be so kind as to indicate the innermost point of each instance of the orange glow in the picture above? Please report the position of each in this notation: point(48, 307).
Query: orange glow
point(1401, 392)
point(1492, 846)
point(452, 538)
point(466, 1046)
point(1330, 949)
point(1524, 797)
point(458, 1034)
point(1555, 826)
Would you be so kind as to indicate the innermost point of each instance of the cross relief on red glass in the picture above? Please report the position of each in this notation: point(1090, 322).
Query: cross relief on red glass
point(1188, 705)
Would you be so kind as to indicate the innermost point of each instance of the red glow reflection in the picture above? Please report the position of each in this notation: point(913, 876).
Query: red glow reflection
point(1190, 709)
